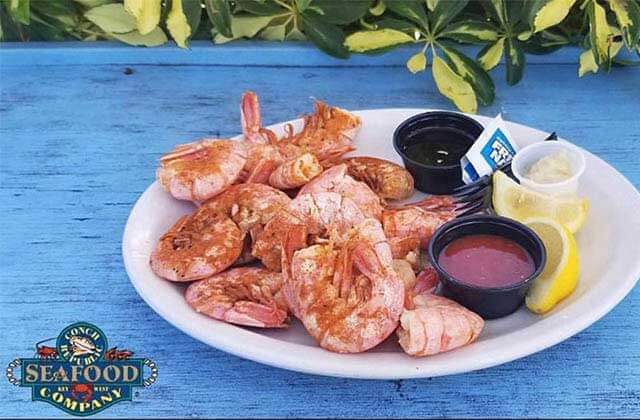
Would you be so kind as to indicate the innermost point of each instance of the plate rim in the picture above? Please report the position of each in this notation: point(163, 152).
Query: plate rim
point(572, 327)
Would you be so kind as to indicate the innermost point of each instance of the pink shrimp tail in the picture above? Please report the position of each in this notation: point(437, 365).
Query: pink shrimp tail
point(256, 315)
point(426, 281)
point(251, 119)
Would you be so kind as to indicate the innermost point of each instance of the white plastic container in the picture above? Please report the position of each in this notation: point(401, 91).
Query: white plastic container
point(531, 154)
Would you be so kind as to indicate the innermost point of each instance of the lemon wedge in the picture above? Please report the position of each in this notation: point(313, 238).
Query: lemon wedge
point(559, 276)
point(512, 200)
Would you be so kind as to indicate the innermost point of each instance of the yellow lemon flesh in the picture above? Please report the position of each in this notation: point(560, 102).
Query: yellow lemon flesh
point(512, 200)
point(559, 277)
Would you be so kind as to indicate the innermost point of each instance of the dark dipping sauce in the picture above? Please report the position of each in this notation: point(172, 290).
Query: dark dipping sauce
point(438, 146)
point(486, 261)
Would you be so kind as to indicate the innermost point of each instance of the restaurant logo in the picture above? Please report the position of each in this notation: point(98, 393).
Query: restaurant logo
point(81, 375)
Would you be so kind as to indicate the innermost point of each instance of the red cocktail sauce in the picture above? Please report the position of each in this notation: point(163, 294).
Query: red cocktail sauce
point(486, 261)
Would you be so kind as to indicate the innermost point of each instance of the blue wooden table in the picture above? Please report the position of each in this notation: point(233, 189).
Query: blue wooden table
point(81, 129)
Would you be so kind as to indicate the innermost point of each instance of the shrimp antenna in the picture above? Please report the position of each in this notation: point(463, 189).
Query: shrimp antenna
point(44, 341)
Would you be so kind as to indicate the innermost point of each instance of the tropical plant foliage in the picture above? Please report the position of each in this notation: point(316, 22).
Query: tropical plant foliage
point(505, 29)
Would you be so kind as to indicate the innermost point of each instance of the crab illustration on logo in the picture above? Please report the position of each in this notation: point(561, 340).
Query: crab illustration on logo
point(81, 375)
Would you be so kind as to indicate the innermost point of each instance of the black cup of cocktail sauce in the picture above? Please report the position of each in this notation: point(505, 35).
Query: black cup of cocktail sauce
point(487, 300)
point(431, 145)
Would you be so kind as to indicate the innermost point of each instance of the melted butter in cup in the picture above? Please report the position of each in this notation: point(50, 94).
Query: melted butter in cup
point(549, 167)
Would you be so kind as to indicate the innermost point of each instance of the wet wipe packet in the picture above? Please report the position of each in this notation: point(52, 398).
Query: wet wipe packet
point(494, 148)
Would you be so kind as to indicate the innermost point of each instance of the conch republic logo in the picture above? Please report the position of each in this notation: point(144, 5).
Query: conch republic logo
point(81, 375)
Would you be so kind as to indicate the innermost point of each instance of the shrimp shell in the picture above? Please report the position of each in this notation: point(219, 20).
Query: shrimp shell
point(348, 297)
point(412, 226)
point(319, 214)
point(296, 172)
point(245, 296)
point(198, 171)
point(197, 246)
point(337, 180)
point(387, 179)
point(250, 206)
point(433, 324)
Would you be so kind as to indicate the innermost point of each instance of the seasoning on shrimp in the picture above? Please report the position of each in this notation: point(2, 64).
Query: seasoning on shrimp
point(197, 246)
point(348, 296)
point(387, 179)
point(248, 296)
point(318, 215)
point(337, 180)
point(411, 226)
point(198, 171)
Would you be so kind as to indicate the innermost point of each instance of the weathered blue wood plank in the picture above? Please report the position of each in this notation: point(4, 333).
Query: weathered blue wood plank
point(237, 54)
point(80, 143)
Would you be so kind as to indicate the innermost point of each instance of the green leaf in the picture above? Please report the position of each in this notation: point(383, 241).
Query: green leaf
point(152, 39)
point(340, 12)
point(599, 32)
point(328, 37)
point(417, 62)
point(362, 41)
point(177, 24)
point(245, 26)
point(63, 11)
point(295, 35)
point(259, 7)
point(549, 13)
point(398, 24)
point(193, 11)
point(501, 13)
point(111, 18)
point(93, 3)
point(471, 71)
point(274, 33)
point(545, 42)
point(220, 16)
point(471, 31)
point(20, 10)
point(490, 55)
point(431, 4)
point(587, 63)
point(444, 12)
point(302, 5)
point(146, 12)
point(378, 9)
point(515, 61)
point(410, 9)
point(628, 16)
point(453, 86)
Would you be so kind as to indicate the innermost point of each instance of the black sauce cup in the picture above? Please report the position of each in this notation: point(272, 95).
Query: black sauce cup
point(430, 127)
point(488, 302)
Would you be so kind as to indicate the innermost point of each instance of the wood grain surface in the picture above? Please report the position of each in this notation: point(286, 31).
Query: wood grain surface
point(80, 141)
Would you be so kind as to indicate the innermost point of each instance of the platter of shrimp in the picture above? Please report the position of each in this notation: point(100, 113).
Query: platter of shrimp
point(301, 245)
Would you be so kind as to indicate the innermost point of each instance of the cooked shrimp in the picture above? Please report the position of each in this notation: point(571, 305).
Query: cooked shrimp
point(245, 296)
point(262, 160)
point(296, 172)
point(319, 215)
point(387, 179)
point(411, 226)
point(250, 118)
point(348, 297)
point(337, 180)
point(433, 324)
point(249, 205)
point(198, 171)
point(197, 246)
point(328, 133)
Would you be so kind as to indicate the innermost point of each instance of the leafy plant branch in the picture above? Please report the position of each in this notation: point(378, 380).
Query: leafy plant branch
point(506, 30)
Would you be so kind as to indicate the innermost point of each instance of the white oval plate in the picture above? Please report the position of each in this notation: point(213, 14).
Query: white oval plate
point(610, 269)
